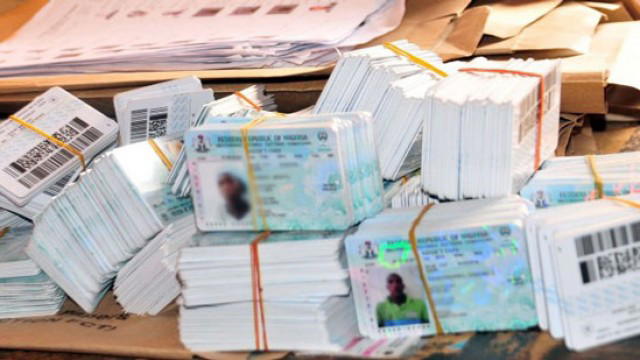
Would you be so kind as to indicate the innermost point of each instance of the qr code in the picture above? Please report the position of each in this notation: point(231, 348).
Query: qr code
point(158, 121)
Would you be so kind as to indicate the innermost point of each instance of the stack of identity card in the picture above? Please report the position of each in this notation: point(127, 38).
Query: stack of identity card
point(485, 133)
point(316, 172)
point(25, 290)
point(474, 260)
point(34, 168)
point(392, 87)
point(585, 260)
point(304, 292)
point(89, 231)
point(167, 108)
point(148, 283)
point(248, 103)
point(570, 179)
point(9, 219)
point(406, 192)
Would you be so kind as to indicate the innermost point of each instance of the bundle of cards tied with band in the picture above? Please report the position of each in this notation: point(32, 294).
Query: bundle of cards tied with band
point(316, 172)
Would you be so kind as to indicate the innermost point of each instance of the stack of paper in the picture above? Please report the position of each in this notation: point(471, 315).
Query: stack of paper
point(250, 102)
point(148, 283)
point(89, 231)
point(166, 108)
point(566, 180)
point(474, 258)
point(584, 264)
point(315, 172)
point(483, 136)
point(406, 192)
point(168, 35)
point(24, 289)
point(35, 168)
point(392, 88)
point(304, 285)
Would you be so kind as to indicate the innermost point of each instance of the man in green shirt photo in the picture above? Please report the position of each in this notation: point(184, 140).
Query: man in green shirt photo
point(399, 309)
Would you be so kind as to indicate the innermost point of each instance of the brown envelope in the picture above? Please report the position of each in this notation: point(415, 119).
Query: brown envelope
point(565, 31)
point(464, 36)
point(613, 12)
point(16, 13)
point(508, 18)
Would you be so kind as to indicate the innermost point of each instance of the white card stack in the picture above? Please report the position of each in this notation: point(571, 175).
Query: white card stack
point(148, 283)
point(89, 231)
point(480, 129)
point(138, 35)
point(566, 180)
point(34, 168)
point(585, 259)
point(304, 284)
point(392, 88)
point(163, 109)
point(24, 289)
point(249, 102)
point(406, 192)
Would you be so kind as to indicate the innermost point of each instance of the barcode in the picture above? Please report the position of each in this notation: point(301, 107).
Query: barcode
point(158, 121)
point(615, 262)
point(139, 125)
point(29, 169)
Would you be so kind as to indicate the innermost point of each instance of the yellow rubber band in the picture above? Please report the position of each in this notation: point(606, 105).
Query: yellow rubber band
point(625, 202)
point(163, 157)
point(62, 144)
point(415, 59)
point(597, 179)
point(253, 187)
point(423, 275)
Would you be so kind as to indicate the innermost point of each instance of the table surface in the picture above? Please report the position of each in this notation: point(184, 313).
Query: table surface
point(523, 345)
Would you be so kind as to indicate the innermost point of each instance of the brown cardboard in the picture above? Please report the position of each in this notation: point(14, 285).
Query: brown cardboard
point(465, 35)
point(107, 331)
point(613, 12)
point(566, 30)
point(17, 13)
point(509, 18)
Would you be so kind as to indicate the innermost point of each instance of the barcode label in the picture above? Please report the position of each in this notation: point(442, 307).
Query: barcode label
point(619, 258)
point(149, 123)
point(46, 157)
point(139, 125)
point(57, 187)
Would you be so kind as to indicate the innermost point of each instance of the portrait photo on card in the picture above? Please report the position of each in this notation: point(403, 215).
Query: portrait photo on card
point(226, 193)
point(398, 297)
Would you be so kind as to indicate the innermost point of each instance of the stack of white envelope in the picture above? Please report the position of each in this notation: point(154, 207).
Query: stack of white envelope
point(89, 231)
point(304, 286)
point(248, 103)
point(166, 35)
point(392, 88)
point(482, 135)
point(570, 179)
point(24, 289)
point(148, 283)
point(166, 108)
point(34, 168)
point(584, 265)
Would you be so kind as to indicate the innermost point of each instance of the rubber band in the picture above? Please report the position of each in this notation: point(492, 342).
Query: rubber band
point(259, 318)
point(163, 157)
point(415, 59)
point(627, 202)
point(253, 187)
point(597, 179)
point(61, 144)
point(541, 98)
point(248, 101)
point(423, 276)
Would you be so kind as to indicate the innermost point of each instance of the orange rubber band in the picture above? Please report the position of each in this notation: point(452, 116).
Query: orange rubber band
point(422, 271)
point(415, 59)
point(163, 157)
point(4, 232)
point(259, 318)
point(248, 101)
point(541, 96)
point(62, 144)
